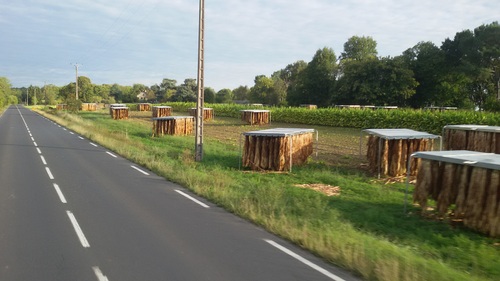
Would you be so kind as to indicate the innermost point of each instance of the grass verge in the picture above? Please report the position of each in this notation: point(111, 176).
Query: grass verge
point(364, 229)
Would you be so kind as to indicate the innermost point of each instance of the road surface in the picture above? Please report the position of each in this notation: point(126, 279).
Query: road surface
point(72, 210)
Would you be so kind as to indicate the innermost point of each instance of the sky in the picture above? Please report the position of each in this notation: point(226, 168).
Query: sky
point(144, 41)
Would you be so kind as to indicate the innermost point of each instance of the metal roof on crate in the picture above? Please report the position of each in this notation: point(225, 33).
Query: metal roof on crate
point(279, 132)
point(255, 110)
point(481, 128)
point(171, 117)
point(463, 157)
point(400, 134)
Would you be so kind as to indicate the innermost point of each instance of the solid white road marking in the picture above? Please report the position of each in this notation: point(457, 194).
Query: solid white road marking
point(93, 144)
point(39, 151)
point(140, 170)
point(60, 194)
point(111, 154)
point(304, 261)
point(43, 160)
point(49, 173)
point(193, 199)
point(98, 273)
point(78, 230)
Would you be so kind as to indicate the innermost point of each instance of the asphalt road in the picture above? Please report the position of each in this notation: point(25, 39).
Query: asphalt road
point(73, 210)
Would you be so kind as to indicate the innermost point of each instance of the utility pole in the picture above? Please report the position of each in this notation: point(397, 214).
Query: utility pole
point(76, 91)
point(201, 66)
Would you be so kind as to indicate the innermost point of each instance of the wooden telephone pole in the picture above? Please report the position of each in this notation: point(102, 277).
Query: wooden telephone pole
point(200, 98)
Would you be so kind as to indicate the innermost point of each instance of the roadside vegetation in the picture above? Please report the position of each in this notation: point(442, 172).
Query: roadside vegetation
point(363, 228)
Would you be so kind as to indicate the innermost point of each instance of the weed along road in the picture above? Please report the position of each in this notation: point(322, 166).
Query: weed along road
point(72, 210)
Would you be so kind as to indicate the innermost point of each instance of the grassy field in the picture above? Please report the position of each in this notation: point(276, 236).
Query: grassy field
point(363, 229)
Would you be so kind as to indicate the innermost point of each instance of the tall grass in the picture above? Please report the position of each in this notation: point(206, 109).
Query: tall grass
point(364, 229)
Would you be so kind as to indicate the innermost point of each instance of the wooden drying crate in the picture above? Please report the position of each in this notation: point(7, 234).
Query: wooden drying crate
point(143, 107)
point(89, 106)
point(468, 181)
point(208, 113)
point(116, 105)
point(256, 117)
point(309, 106)
point(472, 137)
point(277, 149)
point(388, 150)
point(119, 113)
point(62, 107)
point(162, 111)
point(173, 125)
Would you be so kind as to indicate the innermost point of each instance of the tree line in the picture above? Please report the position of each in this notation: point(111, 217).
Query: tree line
point(463, 72)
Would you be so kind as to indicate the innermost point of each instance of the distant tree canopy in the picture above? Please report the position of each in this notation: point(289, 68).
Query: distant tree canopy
point(464, 72)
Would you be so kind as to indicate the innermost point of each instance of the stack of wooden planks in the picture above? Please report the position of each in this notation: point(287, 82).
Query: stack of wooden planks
point(472, 137)
point(143, 107)
point(173, 125)
point(208, 113)
point(162, 111)
point(277, 149)
point(62, 107)
point(119, 113)
point(89, 106)
point(472, 193)
point(256, 117)
point(394, 155)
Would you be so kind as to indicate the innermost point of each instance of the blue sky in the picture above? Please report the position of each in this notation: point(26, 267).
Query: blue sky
point(144, 41)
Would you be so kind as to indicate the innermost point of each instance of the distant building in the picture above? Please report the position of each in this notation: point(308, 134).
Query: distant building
point(142, 96)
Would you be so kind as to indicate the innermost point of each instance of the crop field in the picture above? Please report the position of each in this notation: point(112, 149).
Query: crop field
point(335, 146)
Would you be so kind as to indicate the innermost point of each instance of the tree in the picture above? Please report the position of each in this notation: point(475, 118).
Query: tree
point(426, 61)
point(359, 48)
point(472, 60)
point(187, 92)
point(50, 94)
point(5, 91)
point(224, 96)
point(384, 81)
point(241, 93)
point(262, 89)
point(319, 80)
point(86, 90)
point(209, 95)
point(294, 77)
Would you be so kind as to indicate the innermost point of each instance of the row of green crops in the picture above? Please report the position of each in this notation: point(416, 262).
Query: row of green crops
point(420, 120)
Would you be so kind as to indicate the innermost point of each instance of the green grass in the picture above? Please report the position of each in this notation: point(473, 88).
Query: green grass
point(364, 229)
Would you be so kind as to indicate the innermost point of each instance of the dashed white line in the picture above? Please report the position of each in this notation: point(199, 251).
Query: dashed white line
point(305, 261)
point(39, 151)
point(60, 194)
point(192, 199)
point(35, 143)
point(80, 138)
point(65, 129)
point(147, 174)
point(98, 273)
point(32, 139)
point(49, 173)
point(78, 230)
point(111, 154)
point(93, 144)
point(43, 160)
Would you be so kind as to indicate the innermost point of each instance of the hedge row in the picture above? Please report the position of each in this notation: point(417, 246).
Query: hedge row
point(420, 120)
